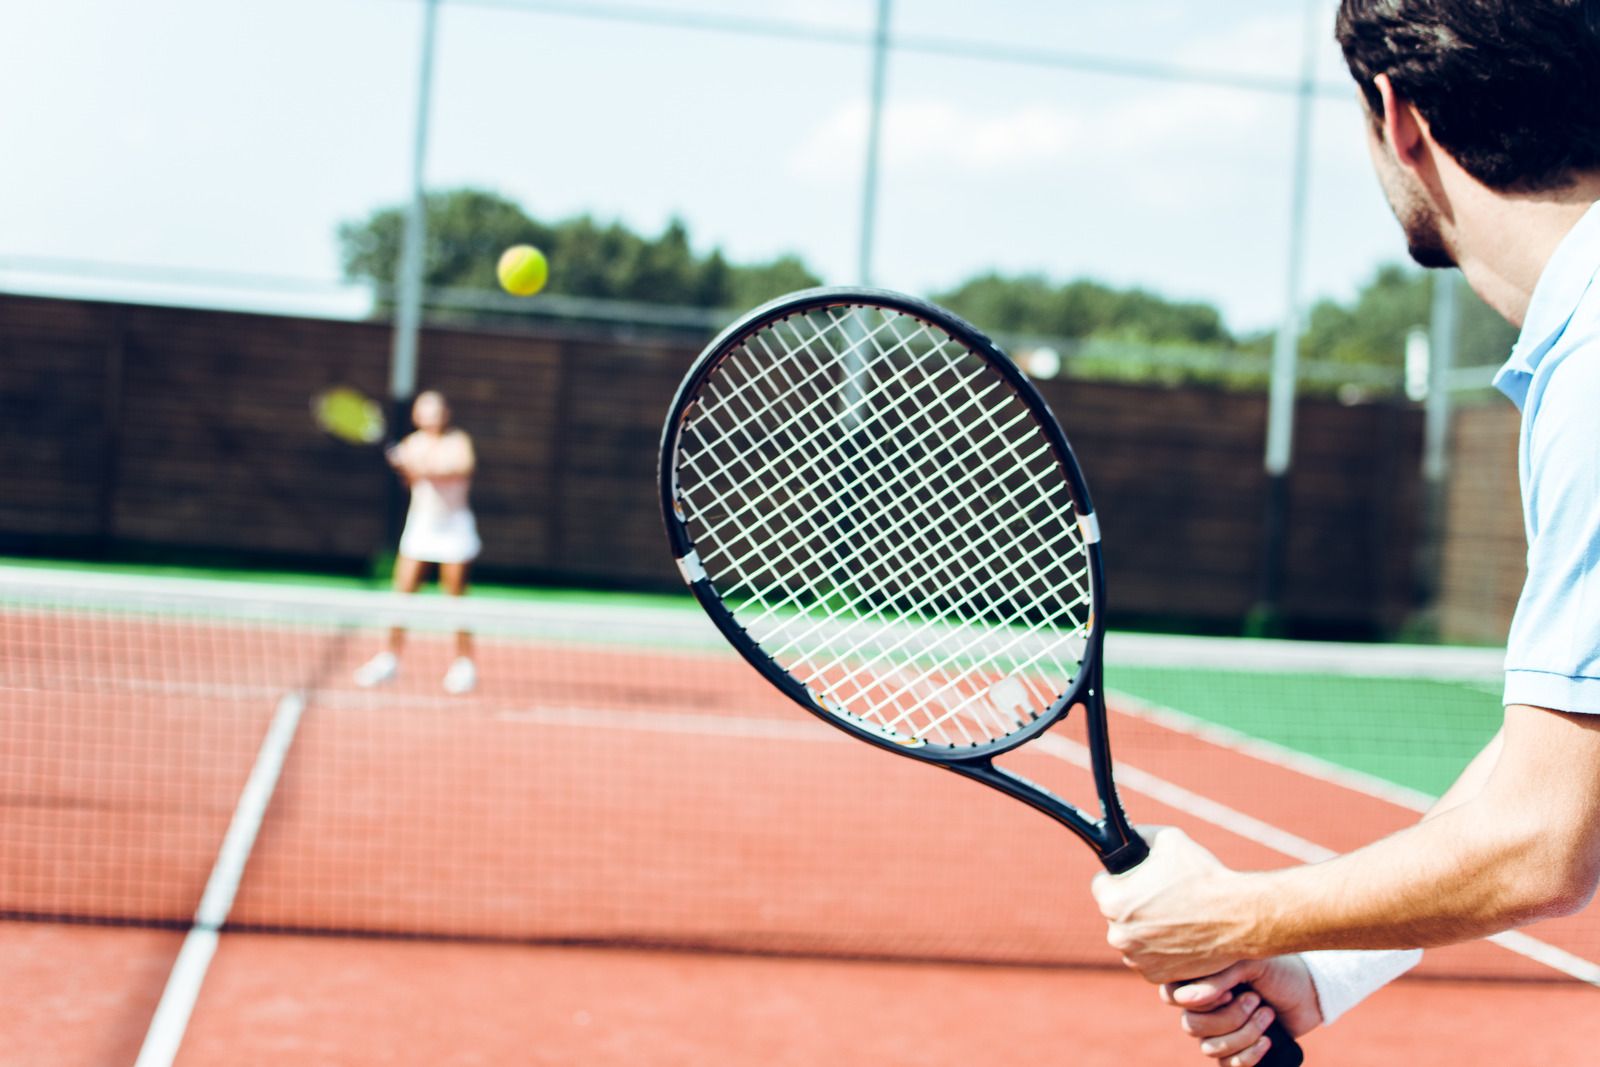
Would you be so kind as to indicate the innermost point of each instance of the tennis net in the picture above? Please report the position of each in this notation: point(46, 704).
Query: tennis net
point(618, 776)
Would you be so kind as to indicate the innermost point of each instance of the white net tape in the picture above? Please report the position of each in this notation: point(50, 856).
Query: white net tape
point(886, 519)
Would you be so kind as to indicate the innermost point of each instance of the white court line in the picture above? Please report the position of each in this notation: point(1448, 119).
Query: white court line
point(1270, 752)
point(171, 1017)
point(202, 601)
point(1356, 781)
point(1127, 777)
point(1281, 841)
point(658, 722)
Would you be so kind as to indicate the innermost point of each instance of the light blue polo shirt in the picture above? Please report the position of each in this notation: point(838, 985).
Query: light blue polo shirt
point(1553, 375)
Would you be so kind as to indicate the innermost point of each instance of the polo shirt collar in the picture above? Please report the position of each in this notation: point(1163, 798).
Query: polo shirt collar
point(1572, 268)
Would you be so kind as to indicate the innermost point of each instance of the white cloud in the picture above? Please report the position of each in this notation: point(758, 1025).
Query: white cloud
point(1168, 144)
point(834, 14)
point(1266, 45)
point(940, 135)
point(1270, 44)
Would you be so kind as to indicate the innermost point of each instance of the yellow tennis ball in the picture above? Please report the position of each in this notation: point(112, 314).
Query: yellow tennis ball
point(522, 270)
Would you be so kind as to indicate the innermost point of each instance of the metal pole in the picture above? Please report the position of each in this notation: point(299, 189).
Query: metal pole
point(1442, 330)
point(869, 181)
point(860, 351)
point(1265, 618)
point(408, 286)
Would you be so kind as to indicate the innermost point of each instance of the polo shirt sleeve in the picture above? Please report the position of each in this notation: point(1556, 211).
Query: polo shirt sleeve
point(1553, 655)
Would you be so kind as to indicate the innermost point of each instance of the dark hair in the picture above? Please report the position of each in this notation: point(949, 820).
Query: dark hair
point(1510, 88)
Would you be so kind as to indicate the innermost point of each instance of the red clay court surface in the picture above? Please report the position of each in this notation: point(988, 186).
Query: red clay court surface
point(583, 800)
point(80, 996)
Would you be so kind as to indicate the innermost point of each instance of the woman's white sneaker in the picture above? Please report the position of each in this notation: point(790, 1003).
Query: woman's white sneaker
point(377, 670)
point(462, 677)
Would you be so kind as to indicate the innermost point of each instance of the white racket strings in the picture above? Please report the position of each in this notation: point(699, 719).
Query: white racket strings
point(886, 519)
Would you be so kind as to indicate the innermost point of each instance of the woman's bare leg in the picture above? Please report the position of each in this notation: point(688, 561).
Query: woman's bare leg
point(383, 667)
point(407, 578)
point(453, 580)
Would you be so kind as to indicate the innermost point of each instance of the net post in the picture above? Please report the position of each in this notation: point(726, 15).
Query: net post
point(397, 496)
point(111, 430)
point(1266, 615)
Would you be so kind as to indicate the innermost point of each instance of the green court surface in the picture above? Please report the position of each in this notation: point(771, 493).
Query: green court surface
point(312, 580)
point(1414, 732)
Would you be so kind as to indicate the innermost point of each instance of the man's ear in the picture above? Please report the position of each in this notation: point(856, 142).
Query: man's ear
point(1404, 129)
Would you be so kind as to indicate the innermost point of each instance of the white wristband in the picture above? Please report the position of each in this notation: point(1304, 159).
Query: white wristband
point(1344, 979)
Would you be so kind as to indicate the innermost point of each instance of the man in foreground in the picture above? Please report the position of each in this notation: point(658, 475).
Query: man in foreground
point(1485, 134)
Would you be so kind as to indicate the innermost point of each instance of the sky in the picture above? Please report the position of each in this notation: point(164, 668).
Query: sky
point(167, 145)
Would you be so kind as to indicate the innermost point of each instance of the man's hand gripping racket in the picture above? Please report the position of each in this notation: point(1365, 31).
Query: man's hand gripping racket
point(879, 511)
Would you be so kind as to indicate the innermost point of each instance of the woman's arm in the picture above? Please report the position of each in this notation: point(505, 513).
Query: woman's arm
point(450, 456)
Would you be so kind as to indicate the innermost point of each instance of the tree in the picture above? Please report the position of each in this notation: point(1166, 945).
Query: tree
point(1127, 333)
point(469, 228)
point(467, 231)
point(752, 285)
point(1372, 330)
point(1083, 309)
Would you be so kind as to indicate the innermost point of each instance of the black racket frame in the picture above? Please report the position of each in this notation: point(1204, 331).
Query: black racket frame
point(1118, 846)
point(1111, 837)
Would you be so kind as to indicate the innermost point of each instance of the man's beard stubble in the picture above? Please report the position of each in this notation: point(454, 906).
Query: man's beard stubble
point(1426, 246)
point(1420, 224)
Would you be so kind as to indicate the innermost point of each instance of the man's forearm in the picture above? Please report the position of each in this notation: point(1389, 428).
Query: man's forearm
point(1500, 849)
point(1471, 781)
point(1451, 878)
point(1522, 843)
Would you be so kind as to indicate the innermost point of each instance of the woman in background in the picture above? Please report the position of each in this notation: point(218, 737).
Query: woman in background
point(436, 462)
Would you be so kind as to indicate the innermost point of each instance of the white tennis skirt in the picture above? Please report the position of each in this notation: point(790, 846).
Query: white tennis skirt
point(441, 537)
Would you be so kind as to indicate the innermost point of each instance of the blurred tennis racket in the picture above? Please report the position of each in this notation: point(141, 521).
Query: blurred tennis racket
point(882, 515)
point(349, 415)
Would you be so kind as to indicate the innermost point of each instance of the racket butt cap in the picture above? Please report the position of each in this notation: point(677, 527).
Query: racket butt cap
point(1285, 1051)
point(1126, 856)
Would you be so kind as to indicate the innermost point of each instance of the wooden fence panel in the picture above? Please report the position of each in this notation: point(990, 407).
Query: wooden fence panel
point(138, 428)
point(1484, 556)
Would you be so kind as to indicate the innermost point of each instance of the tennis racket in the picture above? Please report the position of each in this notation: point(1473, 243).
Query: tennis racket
point(882, 515)
point(349, 415)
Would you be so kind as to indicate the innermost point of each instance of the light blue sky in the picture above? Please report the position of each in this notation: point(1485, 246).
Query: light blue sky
point(233, 135)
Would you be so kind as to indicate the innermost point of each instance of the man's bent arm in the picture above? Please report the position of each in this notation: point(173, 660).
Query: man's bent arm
point(1523, 846)
point(1471, 781)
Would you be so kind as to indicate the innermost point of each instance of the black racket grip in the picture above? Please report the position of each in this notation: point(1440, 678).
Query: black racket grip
point(1285, 1050)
